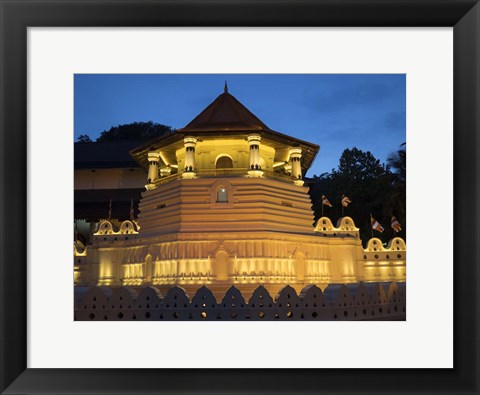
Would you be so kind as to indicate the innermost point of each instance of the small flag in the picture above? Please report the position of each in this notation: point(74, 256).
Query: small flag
point(396, 225)
point(345, 201)
point(110, 210)
point(325, 201)
point(376, 225)
point(132, 212)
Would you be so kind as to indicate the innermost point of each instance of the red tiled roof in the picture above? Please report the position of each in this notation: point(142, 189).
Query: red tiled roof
point(223, 114)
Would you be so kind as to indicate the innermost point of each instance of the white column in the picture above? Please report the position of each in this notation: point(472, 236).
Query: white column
point(189, 168)
point(295, 157)
point(153, 159)
point(254, 169)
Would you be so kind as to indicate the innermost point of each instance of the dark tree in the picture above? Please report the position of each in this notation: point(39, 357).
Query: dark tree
point(396, 203)
point(366, 181)
point(140, 131)
point(359, 166)
point(84, 138)
point(398, 163)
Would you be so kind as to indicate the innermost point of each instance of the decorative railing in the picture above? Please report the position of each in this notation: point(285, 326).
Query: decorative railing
point(231, 172)
point(164, 180)
point(278, 176)
point(338, 302)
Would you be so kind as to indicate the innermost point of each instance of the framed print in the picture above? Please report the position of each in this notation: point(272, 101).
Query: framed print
point(181, 315)
point(431, 347)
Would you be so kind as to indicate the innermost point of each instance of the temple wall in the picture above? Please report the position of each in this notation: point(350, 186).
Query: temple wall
point(254, 204)
point(262, 234)
point(385, 263)
point(245, 260)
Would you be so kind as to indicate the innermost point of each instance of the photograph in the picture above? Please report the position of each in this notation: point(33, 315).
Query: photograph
point(187, 206)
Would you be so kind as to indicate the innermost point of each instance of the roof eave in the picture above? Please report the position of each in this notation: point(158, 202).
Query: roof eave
point(140, 154)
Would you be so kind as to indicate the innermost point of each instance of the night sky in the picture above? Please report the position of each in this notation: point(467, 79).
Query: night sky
point(335, 111)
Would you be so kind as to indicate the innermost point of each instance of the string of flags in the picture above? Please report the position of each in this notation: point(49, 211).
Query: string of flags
point(375, 225)
point(378, 226)
point(345, 201)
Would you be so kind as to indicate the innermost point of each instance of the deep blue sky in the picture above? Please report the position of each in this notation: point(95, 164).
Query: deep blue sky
point(335, 111)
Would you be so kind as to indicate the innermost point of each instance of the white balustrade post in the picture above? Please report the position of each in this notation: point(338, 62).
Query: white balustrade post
point(153, 159)
point(189, 169)
point(295, 159)
point(255, 168)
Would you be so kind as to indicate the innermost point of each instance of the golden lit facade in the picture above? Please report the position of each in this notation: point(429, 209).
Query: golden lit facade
point(225, 204)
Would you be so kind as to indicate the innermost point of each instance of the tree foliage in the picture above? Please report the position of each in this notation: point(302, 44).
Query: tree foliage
point(84, 138)
point(397, 200)
point(136, 131)
point(371, 186)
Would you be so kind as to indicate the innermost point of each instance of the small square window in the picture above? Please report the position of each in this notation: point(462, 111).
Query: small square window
point(222, 195)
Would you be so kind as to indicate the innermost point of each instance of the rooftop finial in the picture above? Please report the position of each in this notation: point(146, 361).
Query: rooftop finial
point(225, 88)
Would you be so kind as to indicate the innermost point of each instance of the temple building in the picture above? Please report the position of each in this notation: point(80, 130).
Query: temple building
point(104, 173)
point(224, 203)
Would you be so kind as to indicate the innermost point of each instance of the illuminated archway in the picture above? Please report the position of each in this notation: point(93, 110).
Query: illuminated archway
point(224, 162)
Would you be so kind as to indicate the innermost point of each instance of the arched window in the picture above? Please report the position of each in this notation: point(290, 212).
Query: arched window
point(222, 195)
point(224, 162)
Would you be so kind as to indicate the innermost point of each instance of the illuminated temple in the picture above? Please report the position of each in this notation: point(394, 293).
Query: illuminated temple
point(225, 204)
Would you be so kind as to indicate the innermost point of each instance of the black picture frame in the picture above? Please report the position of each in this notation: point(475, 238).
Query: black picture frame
point(18, 15)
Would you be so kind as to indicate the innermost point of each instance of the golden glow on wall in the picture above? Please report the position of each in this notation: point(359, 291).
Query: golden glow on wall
point(248, 261)
point(247, 223)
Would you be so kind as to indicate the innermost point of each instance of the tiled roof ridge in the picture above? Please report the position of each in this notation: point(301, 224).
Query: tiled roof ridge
point(205, 120)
